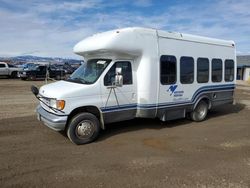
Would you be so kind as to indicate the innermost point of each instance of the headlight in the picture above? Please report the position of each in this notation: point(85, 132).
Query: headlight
point(52, 103)
point(58, 104)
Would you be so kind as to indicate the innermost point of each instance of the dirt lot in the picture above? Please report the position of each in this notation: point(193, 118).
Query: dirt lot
point(137, 153)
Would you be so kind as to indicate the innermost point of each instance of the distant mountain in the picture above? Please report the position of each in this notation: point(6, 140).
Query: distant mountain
point(34, 59)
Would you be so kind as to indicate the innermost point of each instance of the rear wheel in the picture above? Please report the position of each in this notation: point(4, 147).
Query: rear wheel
point(200, 111)
point(83, 128)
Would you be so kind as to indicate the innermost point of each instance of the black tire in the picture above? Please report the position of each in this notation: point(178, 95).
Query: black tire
point(200, 111)
point(58, 77)
point(83, 128)
point(32, 77)
point(13, 74)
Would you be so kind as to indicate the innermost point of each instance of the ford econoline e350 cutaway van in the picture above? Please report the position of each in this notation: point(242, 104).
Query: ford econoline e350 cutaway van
point(139, 73)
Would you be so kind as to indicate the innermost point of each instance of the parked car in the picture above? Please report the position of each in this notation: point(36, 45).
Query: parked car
point(29, 66)
point(66, 67)
point(40, 72)
point(8, 70)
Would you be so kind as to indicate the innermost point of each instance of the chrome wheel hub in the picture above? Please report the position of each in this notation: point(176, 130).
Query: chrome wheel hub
point(85, 129)
point(201, 110)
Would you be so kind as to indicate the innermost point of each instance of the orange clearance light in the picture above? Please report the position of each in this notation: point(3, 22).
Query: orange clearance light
point(60, 104)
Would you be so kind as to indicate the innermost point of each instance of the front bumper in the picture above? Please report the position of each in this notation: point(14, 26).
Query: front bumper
point(21, 75)
point(53, 121)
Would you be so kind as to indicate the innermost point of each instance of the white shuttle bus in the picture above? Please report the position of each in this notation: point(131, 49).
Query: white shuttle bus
point(139, 73)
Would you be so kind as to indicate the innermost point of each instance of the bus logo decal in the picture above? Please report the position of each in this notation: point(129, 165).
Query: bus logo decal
point(172, 89)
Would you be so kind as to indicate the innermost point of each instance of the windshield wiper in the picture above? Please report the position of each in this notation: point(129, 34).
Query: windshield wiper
point(78, 80)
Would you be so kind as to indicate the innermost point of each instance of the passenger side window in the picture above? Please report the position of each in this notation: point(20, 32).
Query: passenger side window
point(2, 65)
point(202, 70)
point(168, 69)
point(187, 70)
point(109, 78)
point(229, 70)
point(216, 70)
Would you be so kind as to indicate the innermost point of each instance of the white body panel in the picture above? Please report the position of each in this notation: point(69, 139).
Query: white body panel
point(246, 74)
point(180, 48)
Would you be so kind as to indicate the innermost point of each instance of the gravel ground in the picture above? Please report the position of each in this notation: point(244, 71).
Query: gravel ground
point(137, 153)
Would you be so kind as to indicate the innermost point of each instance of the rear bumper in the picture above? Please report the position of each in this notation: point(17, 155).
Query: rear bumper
point(53, 121)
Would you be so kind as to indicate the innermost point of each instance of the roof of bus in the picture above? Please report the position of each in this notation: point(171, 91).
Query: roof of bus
point(93, 42)
point(194, 38)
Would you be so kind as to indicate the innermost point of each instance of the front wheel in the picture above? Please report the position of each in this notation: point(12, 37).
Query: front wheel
point(32, 77)
point(58, 77)
point(83, 128)
point(200, 111)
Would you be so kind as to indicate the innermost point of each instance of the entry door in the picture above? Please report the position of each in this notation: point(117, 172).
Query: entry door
point(119, 103)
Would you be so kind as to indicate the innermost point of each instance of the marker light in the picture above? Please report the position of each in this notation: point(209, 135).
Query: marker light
point(60, 104)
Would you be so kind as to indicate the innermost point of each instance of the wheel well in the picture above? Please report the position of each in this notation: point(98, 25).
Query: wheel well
point(90, 109)
point(14, 73)
point(206, 100)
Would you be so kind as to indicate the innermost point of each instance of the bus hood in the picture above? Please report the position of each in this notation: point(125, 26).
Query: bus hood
point(65, 89)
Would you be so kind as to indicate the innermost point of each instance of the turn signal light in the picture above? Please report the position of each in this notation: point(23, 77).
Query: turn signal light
point(60, 104)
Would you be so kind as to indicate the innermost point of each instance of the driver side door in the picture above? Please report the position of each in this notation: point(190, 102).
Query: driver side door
point(119, 103)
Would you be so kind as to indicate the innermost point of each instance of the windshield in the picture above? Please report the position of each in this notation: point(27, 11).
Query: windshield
point(89, 72)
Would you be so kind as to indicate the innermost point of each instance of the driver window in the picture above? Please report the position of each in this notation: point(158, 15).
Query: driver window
point(109, 78)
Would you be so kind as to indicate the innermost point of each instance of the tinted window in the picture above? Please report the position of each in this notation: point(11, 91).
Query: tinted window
point(202, 70)
point(42, 68)
point(216, 70)
point(2, 65)
point(126, 73)
point(11, 65)
point(229, 70)
point(168, 69)
point(187, 70)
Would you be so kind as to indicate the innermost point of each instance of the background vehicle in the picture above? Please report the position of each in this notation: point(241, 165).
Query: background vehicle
point(8, 70)
point(29, 66)
point(139, 73)
point(40, 71)
point(66, 67)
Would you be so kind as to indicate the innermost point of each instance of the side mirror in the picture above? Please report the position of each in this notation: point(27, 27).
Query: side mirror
point(118, 71)
point(118, 77)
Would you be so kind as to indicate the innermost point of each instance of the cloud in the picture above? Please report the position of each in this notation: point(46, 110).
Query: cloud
point(67, 6)
point(143, 3)
point(51, 28)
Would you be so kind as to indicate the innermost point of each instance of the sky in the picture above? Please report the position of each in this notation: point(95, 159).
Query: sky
point(52, 27)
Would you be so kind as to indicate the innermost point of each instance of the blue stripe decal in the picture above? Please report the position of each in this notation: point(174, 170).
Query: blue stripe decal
point(169, 104)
